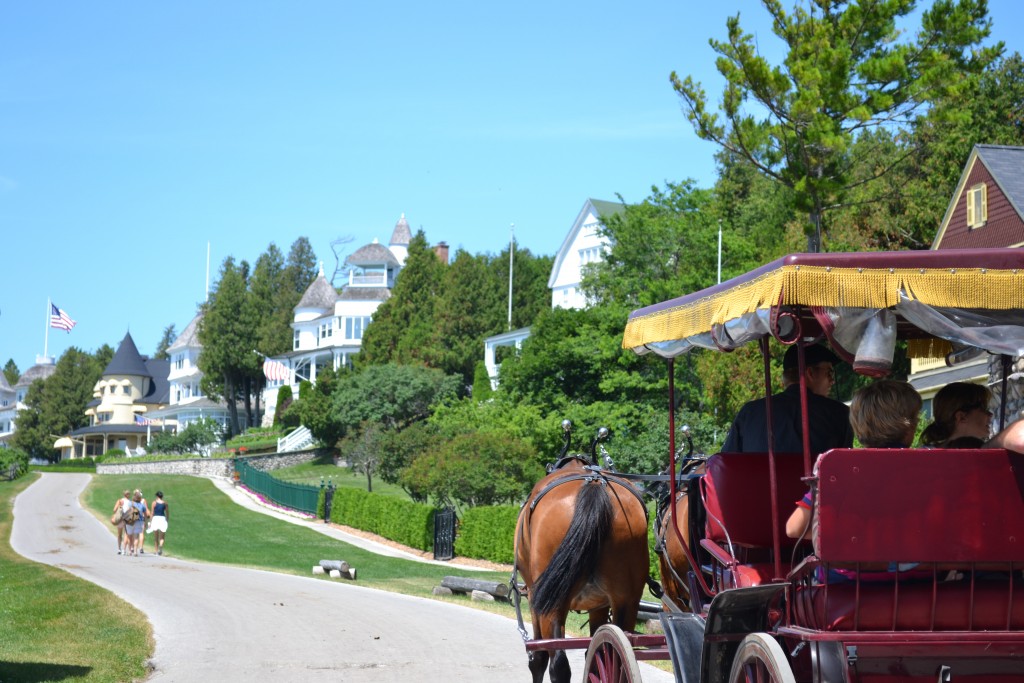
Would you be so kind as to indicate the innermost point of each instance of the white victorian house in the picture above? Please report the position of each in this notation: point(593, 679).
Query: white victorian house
point(12, 399)
point(583, 245)
point(328, 324)
point(186, 401)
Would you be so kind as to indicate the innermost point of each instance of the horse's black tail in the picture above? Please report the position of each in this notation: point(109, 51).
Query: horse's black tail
point(578, 554)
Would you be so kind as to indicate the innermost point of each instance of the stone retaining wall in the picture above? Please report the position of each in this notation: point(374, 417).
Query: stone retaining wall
point(208, 467)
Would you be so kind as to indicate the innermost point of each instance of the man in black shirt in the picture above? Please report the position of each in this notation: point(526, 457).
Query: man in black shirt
point(829, 420)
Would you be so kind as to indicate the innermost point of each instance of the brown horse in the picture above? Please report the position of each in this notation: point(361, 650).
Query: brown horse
point(672, 560)
point(581, 544)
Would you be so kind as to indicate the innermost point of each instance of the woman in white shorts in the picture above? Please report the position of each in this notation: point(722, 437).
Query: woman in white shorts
point(158, 522)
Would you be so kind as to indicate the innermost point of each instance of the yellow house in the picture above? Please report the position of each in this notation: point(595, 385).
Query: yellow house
point(130, 387)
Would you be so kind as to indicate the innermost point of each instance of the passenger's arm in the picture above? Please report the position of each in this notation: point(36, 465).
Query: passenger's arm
point(796, 525)
point(1011, 438)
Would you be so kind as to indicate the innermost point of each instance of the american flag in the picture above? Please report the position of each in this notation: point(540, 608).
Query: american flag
point(139, 420)
point(276, 370)
point(60, 319)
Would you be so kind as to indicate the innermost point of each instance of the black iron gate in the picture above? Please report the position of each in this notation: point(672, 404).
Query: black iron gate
point(444, 534)
point(328, 502)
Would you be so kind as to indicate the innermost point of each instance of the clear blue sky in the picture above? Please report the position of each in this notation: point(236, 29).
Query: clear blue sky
point(131, 134)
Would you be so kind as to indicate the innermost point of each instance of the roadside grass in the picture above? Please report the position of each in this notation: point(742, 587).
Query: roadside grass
point(342, 477)
point(58, 627)
point(208, 526)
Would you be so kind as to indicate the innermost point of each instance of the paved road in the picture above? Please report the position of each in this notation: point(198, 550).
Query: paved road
point(212, 622)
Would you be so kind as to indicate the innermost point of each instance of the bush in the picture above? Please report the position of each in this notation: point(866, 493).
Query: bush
point(475, 469)
point(284, 400)
point(13, 463)
point(488, 533)
point(404, 522)
point(114, 453)
point(197, 437)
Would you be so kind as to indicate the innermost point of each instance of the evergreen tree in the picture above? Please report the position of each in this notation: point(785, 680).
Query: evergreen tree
point(56, 405)
point(846, 72)
point(11, 372)
point(300, 267)
point(227, 332)
point(166, 339)
point(467, 310)
point(403, 327)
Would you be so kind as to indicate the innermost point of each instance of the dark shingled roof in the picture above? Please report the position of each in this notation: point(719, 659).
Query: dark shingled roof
point(37, 371)
point(401, 235)
point(1006, 163)
point(189, 337)
point(160, 387)
point(372, 254)
point(321, 294)
point(127, 360)
point(365, 294)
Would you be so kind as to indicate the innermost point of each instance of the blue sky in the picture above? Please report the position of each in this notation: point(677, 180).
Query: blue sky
point(132, 134)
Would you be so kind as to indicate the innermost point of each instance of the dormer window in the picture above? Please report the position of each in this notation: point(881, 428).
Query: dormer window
point(295, 339)
point(977, 206)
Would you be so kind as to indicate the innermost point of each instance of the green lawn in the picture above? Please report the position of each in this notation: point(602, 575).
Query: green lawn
point(57, 627)
point(342, 477)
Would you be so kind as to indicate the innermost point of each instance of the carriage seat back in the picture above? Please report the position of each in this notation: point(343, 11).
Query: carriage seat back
point(738, 497)
point(918, 505)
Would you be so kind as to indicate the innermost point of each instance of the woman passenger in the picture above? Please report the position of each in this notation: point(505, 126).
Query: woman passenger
point(961, 409)
point(883, 414)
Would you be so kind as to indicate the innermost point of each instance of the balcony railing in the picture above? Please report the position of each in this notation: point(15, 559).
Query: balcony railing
point(369, 279)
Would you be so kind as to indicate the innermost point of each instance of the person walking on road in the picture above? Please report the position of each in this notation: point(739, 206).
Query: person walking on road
point(135, 526)
point(158, 522)
point(120, 507)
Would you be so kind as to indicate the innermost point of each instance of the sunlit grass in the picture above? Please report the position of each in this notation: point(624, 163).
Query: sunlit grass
point(56, 626)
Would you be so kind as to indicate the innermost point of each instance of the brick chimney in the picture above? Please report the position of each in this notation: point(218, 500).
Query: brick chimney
point(442, 252)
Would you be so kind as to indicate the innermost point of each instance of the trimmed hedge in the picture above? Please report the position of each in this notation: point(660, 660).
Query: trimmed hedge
point(488, 533)
point(402, 521)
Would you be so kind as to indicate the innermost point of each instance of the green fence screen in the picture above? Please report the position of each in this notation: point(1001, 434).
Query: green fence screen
point(301, 497)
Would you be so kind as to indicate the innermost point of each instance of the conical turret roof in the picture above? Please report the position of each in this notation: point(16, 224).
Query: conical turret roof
point(321, 294)
point(127, 360)
point(401, 235)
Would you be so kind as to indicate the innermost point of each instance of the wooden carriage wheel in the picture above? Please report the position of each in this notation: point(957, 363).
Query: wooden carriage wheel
point(610, 658)
point(760, 659)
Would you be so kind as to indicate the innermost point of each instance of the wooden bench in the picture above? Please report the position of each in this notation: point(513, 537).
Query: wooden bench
point(737, 498)
point(947, 510)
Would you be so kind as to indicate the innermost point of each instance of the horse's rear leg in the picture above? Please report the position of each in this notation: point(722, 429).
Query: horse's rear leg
point(538, 663)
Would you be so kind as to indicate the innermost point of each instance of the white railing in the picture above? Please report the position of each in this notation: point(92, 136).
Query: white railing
point(297, 440)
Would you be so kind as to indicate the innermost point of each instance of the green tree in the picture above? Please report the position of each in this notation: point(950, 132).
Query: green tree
point(475, 469)
point(166, 339)
point(315, 409)
point(530, 293)
point(300, 267)
point(846, 71)
point(227, 332)
point(11, 372)
point(56, 405)
point(362, 449)
point(403, 327)
point(392, 396)
point(659, 249)
point(398, 449)
point(467, 310)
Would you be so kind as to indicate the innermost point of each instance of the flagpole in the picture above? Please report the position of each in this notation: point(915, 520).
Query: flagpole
point(46, 335)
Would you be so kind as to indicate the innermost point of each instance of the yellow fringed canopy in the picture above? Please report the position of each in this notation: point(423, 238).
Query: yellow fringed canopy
point(991, 279)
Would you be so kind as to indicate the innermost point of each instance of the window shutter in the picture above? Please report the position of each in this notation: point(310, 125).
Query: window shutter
point(970, 208)
point(983, 218)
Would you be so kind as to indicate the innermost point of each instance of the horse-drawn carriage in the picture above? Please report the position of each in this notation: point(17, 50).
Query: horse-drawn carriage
point(744, 602)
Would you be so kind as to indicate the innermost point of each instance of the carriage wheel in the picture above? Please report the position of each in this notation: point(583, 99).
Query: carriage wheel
point(760, 659)
point(610, 658)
